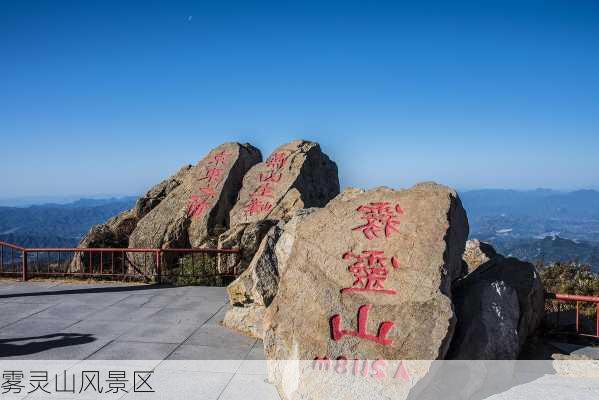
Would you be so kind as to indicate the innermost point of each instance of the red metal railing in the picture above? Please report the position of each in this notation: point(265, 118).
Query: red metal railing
point(578, 300)
point(114, 263)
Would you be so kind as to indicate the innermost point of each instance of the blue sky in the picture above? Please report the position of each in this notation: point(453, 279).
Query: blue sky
point(107, 97)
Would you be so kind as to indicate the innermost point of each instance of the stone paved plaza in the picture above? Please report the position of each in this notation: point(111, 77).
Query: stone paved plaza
point(174, 331)
point(65, 321)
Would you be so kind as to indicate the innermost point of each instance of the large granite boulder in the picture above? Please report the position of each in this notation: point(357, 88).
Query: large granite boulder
point(194, 213)
point(116, 231)
point(296, 175)
point(487, 331)
point(368, 276)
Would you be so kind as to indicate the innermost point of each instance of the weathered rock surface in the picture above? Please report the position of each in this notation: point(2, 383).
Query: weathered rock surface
point(246, 237)
point(198, 209)
point(477, 253)
point(258, 284)
point(489, 325)
point(487, 328)
point(403, 293)
point(255, 288)
point(248, 320)
point(296, 175)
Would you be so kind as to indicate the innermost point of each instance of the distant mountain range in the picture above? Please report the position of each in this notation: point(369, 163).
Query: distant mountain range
point(57, 224)
point(540, 203)
point(496, 214)
point(537, 225)
point(550, 249)
point(533, 225)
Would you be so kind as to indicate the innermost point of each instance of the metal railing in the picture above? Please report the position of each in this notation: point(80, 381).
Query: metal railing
point(578, 300)
point(193, 265)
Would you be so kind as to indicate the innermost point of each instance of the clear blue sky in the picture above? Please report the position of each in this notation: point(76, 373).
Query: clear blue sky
point(110, 97)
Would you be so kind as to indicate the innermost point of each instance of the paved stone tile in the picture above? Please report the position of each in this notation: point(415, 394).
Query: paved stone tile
point(103, 329)
point(207, 358)
point(218, 336)
point(218, 318)
point(160, 332)
point(249, 387)
point(181, 315)
point(190, 385)
point(254, 362)
point(68, 312)
point(136, 299)
point(54, 347)
point(95, 299)
point(129, 350)
point(125, 313)
point(13, 312)
point(257, 351)
point(198, 352)
point(34, 327)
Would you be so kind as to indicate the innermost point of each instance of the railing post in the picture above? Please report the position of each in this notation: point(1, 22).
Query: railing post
point(577, 316)
point(597, 319)
point(158, 266)
point(24, 267)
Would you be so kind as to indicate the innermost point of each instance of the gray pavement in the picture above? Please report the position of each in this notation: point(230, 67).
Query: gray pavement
point(63, 321)
point(87, 322)
point(175, 332)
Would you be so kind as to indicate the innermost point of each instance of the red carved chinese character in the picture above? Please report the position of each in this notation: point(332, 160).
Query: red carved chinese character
point(213, 175)
point(256, 206)
point(221, 157)
point(276, 160)
point(208, 191)
point(271, 176)
point(379, 217)
point(197, 206)
point(381, 338)
point(264, 190)
point(370, 271)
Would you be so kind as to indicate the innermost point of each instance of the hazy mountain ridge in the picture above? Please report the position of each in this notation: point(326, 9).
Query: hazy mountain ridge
point(540, 203)
point(537, 225)
point(550, 249)
point(56, 223)
point(540, 224)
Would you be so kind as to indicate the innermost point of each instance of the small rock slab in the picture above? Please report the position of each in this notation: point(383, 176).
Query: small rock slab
point(477, 253)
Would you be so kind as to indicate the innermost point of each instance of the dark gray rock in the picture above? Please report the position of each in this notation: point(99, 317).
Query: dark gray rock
point(487, 328)
point(477, 288)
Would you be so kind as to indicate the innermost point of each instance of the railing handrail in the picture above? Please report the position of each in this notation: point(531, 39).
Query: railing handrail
point(12, 246)
point(573, 297)
point(117, 249)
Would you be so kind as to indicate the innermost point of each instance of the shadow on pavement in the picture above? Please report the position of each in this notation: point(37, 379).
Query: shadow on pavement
point(111, 289)
point(36, 344)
